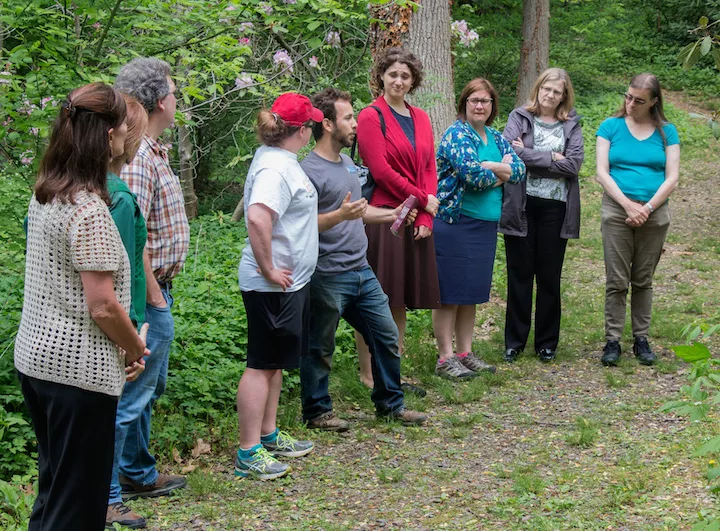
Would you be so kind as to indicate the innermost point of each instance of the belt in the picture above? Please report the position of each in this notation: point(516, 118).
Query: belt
point(165, 284)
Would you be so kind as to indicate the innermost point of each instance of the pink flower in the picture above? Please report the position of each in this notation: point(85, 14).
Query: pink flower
point(97, 26)
point(27, 158)
point(333, 39)
point(244, 81)
point(283, 60)
point(231, 8)
point(245, 26)
point(266, 7)
point(313, 62)
point(44, 102)
point(290, 1)
point(244, 41)
point(3, 77)
point(34, 131)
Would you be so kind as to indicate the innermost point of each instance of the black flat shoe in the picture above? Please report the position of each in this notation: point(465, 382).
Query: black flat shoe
point(413, 389)
point(511, 355)
point(611, 354)
point(643, 352)
point(546, 355)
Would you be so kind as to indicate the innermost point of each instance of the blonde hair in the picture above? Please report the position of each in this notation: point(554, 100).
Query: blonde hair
point(137, 124)
point(566, 105)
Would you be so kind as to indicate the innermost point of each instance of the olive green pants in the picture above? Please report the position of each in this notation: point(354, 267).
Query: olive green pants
point(631, 256)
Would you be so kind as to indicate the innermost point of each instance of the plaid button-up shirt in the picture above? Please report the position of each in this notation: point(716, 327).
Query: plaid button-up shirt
point(162, 204)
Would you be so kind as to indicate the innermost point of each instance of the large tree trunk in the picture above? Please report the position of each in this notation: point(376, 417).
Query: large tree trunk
point(187, 171)
point(426, 33)
point(535, 48)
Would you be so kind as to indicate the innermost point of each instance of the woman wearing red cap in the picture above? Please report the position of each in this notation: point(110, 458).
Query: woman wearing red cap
point(277, 262)
point(401, 159)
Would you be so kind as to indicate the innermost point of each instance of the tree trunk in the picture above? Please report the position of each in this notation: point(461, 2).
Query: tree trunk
point(187, 171)
point(535, 47)
point(426, 33)
point(239, 212)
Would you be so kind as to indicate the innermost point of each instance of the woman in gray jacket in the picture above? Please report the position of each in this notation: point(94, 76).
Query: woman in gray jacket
point(541, 213)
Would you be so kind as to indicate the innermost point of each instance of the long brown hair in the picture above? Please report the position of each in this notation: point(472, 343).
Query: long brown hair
point(566, 105)
point(79, 152)
point(647, 81)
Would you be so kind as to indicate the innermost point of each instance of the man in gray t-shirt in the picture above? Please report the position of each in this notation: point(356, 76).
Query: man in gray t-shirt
point(344, 285)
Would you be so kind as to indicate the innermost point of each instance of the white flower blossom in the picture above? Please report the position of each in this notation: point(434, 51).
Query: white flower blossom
point(333, 39)
point(313, 62)
point(244, 81)
point(282, 59)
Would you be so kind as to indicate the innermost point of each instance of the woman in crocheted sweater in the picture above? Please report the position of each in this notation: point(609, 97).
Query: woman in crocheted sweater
point(76, 338)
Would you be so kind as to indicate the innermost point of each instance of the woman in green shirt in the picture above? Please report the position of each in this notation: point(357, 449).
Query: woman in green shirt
point(125, 210)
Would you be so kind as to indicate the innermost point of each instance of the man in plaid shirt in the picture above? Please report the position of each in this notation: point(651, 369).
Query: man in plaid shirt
point(160, 197)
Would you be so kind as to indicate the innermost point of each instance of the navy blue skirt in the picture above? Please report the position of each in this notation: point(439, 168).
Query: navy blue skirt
point(465, 254)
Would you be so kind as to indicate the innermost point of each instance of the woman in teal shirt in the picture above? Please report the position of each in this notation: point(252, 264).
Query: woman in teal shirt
point(638, 160)
point(473, 161)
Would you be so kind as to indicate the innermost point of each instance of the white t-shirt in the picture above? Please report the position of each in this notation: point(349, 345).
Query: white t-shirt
point(276, 180)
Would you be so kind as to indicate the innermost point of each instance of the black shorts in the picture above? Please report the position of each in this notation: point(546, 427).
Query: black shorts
point(277, 328)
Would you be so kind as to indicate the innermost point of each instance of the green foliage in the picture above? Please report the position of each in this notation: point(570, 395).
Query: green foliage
point(585, 433)
point(15, 504)
point(17, 439)
point(700, 397)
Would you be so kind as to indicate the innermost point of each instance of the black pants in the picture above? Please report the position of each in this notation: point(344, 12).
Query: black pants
point(538, 256)
point(75, 430)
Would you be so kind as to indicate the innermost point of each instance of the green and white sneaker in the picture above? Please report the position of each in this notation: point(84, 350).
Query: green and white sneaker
point(260, 465)
point(286, 445)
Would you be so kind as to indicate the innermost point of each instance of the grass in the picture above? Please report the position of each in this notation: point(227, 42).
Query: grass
point(566, 445)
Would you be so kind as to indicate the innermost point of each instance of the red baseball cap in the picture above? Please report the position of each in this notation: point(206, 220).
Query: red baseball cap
point(296, 109)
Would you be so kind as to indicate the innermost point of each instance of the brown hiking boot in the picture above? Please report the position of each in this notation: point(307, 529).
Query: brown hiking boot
point(406, 416)
point(119, 513)
point(164, 484)
point(328, 422)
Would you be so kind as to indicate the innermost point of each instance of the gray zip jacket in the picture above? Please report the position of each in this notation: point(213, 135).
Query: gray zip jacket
point(513, 220)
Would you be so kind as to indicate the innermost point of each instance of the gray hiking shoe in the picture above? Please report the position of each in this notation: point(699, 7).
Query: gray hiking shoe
point(260, 465)
point(286, 445)
point(475, 364)
point(452, 369)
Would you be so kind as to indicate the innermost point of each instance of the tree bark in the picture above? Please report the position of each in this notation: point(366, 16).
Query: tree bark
point(426, 33)
point(535, 47)
point(239, 212)
point(187, 171)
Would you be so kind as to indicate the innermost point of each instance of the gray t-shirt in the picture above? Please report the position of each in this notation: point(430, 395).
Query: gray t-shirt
point(343, 247)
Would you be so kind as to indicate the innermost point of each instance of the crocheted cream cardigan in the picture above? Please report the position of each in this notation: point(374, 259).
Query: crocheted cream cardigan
point(58, 341)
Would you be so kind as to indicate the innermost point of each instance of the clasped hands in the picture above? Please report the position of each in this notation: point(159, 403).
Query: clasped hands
point(135, 368)
point(637, 214)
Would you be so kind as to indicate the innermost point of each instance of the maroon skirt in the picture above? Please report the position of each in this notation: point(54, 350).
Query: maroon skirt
point(406, 268)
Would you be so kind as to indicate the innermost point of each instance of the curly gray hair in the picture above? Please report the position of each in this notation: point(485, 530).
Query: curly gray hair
point(145, 78)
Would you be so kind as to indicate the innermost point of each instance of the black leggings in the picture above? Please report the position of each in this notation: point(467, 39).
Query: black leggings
point(75, 430)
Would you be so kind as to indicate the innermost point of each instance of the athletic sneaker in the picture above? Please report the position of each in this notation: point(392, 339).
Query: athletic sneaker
point(475, 364)
point(260, 465)
point(452, 369)
point(286, 445)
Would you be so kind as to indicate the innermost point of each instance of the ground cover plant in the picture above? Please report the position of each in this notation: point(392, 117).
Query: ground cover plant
point(571, 445)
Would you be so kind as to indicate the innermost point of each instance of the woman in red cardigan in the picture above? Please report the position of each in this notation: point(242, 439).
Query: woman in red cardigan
point(402, 162)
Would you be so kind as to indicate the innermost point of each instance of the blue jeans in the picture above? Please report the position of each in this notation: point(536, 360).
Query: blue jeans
point(358, 297)
point(132, 422)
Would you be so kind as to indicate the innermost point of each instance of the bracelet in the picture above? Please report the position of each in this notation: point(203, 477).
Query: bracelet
point(650, 207)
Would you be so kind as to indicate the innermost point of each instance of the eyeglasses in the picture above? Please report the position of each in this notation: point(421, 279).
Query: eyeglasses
point(484, 102)
point(630, 98)
point(552, 91)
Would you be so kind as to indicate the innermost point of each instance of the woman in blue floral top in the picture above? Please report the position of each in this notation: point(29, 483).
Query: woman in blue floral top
point(474, 161)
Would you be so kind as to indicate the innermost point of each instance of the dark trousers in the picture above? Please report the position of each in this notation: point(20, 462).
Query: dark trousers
point(539, 256)
point(75, 430)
